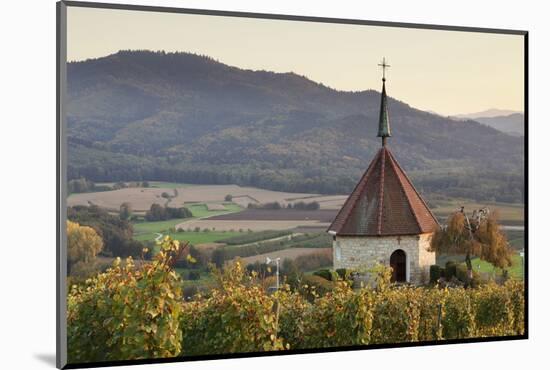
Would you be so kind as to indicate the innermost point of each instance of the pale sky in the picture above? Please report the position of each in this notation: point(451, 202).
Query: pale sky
point(448, 72)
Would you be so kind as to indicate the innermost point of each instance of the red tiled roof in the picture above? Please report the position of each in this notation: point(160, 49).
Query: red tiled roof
point(384, 202)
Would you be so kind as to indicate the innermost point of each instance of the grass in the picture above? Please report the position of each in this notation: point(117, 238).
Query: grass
point(200, 209)
point(205, 277)
point(146, 230)
point(516, 271)
point(149, 227)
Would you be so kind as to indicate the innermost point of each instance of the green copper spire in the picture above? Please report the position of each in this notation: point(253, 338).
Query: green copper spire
point(384, 130)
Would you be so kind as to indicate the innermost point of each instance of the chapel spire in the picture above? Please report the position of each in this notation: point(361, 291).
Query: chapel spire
point(384, 130)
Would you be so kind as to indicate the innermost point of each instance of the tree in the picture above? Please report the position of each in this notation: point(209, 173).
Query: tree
point(156, 213)
point(125, 211)
point(228, 198)
point(218, 257)
point(80, 185)
point(293, 275)
point(478, 236)
point(83, 244)
point(117, 234)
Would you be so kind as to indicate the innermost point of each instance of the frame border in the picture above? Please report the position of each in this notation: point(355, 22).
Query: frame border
point(61, 188)
point(61, 174)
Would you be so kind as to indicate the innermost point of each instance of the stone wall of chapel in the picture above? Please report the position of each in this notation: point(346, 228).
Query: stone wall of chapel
point(364, 252)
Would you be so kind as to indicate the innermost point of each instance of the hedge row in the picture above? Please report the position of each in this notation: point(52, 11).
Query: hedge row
point(345, 317)
point(138, 312)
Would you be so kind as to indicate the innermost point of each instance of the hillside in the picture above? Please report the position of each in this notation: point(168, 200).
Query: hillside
point(512, 124)
point(182, 117)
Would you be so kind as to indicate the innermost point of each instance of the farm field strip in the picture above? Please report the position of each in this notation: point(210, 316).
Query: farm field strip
point(283, 238)
point(291, 253)
point(140, 198)
point(246, 225)
point(321, 215)
point(149, 230)
point(200, 210)
point(508, 213)
point(193, 237)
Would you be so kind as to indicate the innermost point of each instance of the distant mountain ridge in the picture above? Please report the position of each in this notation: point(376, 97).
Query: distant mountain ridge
point(184, 117)
point(507, 121)
point(513, 124)
point(488, 113)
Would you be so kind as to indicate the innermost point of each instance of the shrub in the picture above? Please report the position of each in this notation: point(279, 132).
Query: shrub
point(343, 273)
point(238, 317)
point(194, 275)
point(435, 273)
point(117, 315)
point(342, 317)
point(294, 312)
point(116, 233)
point(189, 292)
point(450, 270)
point(324, 273)
point(458, 318)
point(312, 206)
point(260, 268)
point(313, 286)
point(127, 312)
point(219, 257)
point(159, 213)
point(462, 272)
point(314, 261)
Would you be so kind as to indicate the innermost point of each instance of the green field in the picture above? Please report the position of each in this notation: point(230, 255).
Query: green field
point(147, 230)
point(151, 227)
point(200, 209)
point(205, 276)
point(163, 184)
point(516, 271)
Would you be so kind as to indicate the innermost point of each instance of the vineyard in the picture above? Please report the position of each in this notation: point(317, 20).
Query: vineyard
point(134, 312)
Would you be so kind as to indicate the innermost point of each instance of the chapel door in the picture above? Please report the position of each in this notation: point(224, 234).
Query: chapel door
point(398, 262)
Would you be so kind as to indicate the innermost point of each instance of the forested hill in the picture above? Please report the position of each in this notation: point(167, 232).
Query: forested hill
point(182, 117)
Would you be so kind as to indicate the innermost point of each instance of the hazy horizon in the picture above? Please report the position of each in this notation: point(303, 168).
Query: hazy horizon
point(447, 72)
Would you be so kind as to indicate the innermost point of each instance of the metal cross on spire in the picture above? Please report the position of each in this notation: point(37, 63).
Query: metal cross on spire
point(384, 65)
point(384, 121)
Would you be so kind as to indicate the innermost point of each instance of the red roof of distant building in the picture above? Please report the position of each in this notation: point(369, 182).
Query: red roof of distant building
point(384, 202)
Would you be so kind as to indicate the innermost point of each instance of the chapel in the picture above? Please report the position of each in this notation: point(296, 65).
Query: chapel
point(385, 219)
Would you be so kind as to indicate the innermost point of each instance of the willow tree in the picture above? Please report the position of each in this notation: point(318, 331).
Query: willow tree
point(475, 236)
point(83, 244)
